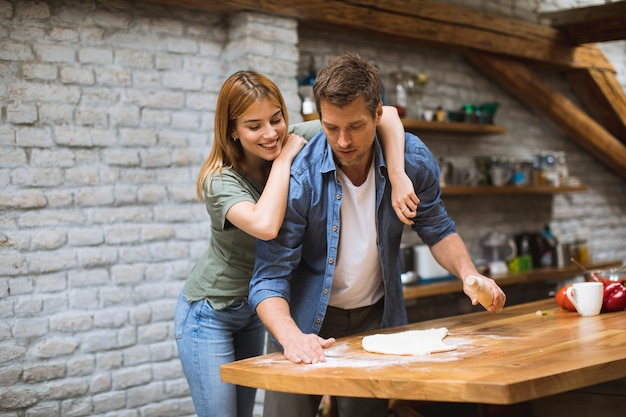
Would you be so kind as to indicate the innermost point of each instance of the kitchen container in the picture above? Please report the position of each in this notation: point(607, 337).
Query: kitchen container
point(427, 267)
point(407, 265)
point(609, 274)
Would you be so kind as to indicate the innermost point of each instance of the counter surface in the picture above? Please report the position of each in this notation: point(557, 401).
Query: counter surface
point(527, 351)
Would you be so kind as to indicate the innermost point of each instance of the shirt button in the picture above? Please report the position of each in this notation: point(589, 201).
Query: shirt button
point(330, 261)
point(325, 290)
point(318, 320)
point(334, 228)
point(338, 196)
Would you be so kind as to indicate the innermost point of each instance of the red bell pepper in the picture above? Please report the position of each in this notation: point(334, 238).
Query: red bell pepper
point(614, 297)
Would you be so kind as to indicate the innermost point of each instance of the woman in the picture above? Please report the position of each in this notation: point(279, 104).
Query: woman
point(244, 184)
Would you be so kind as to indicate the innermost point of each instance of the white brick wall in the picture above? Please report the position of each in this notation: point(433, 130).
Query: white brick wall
point(106, 114)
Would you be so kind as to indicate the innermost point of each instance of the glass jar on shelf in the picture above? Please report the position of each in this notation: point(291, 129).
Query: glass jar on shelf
point(548, 174)
point(522, 172)
point(560, 164)
point(409, 93)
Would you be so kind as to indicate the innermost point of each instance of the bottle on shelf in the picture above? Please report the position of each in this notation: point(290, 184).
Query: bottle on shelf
point(440, 115)
point(560, 162)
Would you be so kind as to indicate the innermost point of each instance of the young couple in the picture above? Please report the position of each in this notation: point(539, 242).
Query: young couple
point(328, 217)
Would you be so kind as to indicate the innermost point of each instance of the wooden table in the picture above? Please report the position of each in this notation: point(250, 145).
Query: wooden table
point(526, 352)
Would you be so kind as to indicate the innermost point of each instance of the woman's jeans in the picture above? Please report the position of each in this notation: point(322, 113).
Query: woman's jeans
point(207, 339)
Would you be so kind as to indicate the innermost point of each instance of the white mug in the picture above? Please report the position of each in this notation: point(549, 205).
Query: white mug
point(586, 297)
point(500, 175)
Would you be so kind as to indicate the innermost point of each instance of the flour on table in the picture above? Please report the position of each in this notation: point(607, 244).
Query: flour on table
point(412, 342)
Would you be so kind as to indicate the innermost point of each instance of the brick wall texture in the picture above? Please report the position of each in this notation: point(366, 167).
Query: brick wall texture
point(106, 114)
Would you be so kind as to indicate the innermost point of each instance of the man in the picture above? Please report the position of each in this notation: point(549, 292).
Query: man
point(334, 268)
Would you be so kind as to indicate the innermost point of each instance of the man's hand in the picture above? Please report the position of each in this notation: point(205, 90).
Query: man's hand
point(307, 348)
point(297, 346)
point(499, 298)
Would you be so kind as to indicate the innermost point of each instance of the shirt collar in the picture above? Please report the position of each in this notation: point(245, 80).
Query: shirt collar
point(328, 163)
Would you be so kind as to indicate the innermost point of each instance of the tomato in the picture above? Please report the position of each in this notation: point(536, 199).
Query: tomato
point(562, 300)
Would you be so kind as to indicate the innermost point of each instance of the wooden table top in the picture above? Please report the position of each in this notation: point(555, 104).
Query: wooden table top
point(527, 351)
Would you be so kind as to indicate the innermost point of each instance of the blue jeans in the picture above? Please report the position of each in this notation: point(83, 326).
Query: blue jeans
point(206, 339)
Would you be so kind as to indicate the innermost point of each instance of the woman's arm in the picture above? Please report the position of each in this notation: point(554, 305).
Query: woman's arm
point(391, 132)
point(264, 218)
point(403, 197)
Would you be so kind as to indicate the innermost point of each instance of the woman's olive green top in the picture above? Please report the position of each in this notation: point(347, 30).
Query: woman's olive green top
point(223, 272)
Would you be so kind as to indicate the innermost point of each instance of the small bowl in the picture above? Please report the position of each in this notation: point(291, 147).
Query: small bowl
point(607, 275)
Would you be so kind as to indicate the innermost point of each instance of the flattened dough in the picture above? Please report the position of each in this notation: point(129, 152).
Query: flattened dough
point(412, 342)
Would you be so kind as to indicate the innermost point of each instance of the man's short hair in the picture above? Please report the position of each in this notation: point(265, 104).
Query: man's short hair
point(346, 78)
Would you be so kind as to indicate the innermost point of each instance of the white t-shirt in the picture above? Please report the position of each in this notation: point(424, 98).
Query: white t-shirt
point(358, 276)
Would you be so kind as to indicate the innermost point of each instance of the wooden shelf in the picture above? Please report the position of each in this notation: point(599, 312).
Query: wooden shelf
point(415, 125)
point(459, 190)
point(420, 290)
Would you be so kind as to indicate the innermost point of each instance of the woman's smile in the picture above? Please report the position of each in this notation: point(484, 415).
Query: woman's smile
point(271, 145)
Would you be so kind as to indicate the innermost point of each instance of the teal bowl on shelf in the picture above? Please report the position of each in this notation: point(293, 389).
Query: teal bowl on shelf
point(488, 111)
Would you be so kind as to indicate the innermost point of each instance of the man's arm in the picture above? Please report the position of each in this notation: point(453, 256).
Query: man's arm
point(297, 346)
point(452, 254)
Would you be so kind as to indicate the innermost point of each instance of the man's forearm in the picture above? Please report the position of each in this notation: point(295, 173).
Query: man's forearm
point(452, 254)
point(275, 314)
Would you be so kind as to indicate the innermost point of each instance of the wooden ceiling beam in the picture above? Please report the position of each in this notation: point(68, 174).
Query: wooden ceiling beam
point(430, 22)
point(520, 81)
point(503, 43)
point(606, 97)
point(601, 23)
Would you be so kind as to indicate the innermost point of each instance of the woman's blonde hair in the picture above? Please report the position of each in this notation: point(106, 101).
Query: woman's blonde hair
point(238, 93)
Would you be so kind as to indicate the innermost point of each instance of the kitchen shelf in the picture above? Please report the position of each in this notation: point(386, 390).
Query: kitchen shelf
point(416, 125)
point(428, 289)
point(460, 190)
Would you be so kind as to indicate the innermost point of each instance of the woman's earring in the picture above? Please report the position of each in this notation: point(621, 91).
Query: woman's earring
point(235, 139)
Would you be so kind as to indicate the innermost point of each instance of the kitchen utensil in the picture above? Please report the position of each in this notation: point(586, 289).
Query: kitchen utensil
point(480, 290)
point(581, 266)
point(500, 175)
point(483, 165)
point(608, 274)
point(498, 249)
point(533, 244)
point(488, 112)
point(586, 297)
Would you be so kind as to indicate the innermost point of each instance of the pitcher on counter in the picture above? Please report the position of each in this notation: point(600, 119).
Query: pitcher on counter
point(334, 270)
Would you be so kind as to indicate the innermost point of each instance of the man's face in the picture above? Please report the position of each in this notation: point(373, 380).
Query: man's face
point(350, 131)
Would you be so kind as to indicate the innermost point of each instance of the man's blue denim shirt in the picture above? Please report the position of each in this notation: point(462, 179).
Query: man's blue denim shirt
point(299, 264)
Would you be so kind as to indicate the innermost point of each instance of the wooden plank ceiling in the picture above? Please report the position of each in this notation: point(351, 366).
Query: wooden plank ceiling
point(505, 49)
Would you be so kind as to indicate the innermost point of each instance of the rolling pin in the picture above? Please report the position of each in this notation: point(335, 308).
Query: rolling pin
point(479, 290)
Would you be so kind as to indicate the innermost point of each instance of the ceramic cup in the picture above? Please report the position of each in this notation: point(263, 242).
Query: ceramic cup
point(500, 175)
point(586, 297)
